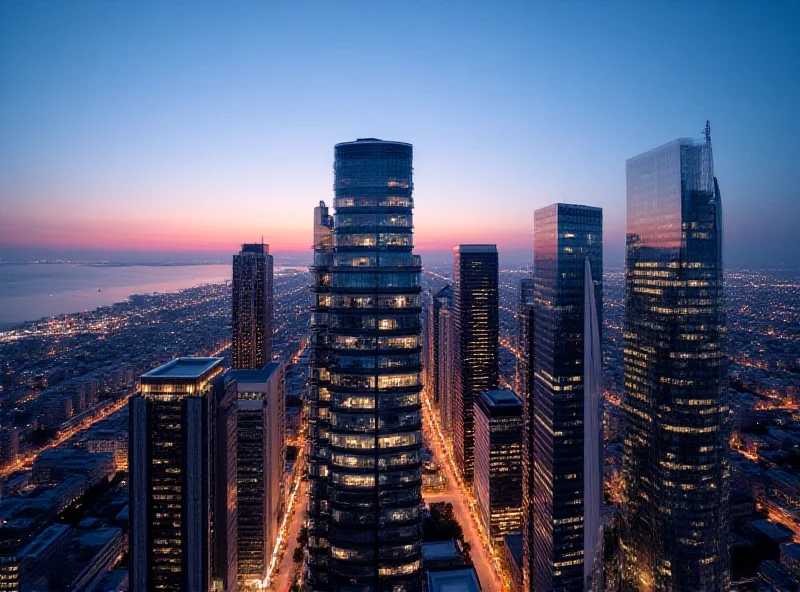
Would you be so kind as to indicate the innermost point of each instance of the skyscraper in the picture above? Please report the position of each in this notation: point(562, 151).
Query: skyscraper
point(251, 346)
point(477, 326)
point(443, 298)
point(261, 444)
point(225, 499)
point(318, 549)
point(568, 296)
point(524, 304)
point(675, 534)
point(373, 500)
point(525, 356)
point(498, 462)
point(175, 475)
point(446, 368)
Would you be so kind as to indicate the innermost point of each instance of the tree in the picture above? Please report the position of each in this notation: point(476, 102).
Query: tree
point(442, 524)
point(302, 537)
point(297, 556)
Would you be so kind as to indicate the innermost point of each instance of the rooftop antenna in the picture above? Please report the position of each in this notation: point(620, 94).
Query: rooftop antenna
point(707, 132)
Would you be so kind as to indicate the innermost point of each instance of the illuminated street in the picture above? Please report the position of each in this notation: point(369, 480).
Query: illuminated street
point(464, 506)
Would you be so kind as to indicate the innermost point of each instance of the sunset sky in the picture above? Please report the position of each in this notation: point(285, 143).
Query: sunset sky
point(151, 130)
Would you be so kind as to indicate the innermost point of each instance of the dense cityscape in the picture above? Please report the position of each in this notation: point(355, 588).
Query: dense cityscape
point(410, 427)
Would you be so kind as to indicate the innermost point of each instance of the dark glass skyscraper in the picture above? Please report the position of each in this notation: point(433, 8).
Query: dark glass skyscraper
point(251, 346)
point(675, 534)
point(525, 344)
point(498, 462)
point(372, 499)
point(524, 304)
point(568, 267)
point(477, 327)
point(182, 463)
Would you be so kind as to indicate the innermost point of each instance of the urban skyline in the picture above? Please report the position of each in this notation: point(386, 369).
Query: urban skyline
point(481, 369)
point(107, 96)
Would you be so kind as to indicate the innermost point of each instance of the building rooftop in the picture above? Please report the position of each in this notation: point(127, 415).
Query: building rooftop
point(565, 207)
point(501, 398)
point(189, 368)
point(257, 248)
point(372, 141)
point(476, 248)
point(456, 580)
point(262, 375)
point(789, 549)
point(45, 539)
point(440, 550)
point(514, 544)
point(671, 145)
point(772, 530)
point(446, 292)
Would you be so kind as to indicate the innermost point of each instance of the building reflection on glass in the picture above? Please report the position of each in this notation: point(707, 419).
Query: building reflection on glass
point(674, 404)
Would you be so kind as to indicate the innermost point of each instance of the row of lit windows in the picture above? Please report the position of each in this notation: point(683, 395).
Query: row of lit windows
point(374, 240)
point(391, 201)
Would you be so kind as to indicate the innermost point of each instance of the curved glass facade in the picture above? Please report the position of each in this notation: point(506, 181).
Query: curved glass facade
point(372, 462)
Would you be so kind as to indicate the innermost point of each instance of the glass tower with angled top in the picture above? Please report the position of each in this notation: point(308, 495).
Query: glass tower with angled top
point(371, 440)
point(675, 534)
point(567, 383)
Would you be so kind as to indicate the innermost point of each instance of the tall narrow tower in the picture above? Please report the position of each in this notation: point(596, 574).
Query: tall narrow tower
point(180, 466)
point(477, 327)
point(251, 347)
point(568, 296)
point(372, 474)
point(675, 534)
point(319, 396)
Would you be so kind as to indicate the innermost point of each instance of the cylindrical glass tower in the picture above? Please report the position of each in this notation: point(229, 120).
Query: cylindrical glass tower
point(374, 501)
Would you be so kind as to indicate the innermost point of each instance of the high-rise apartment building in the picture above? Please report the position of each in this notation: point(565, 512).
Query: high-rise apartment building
point(675, 534)
point(446, 368)
point(498, 462)
point(251, 345)
point(524, 306)
point(261, 445)
point(477, 327)
point(568, 296)
point(443, 298)
point(179, 469)
point(371, 439)
point(318, 548)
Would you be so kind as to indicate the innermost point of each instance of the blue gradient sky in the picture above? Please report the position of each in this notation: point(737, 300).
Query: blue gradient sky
point(147, 128)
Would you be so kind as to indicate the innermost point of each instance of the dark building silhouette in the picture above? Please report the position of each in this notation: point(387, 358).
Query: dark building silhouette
point(567, 385)
point(477, 328)
point(443, 298)
point(251, 345)
point(370, 495)
point(182, 478)
point(319, 395)
point(675, 408)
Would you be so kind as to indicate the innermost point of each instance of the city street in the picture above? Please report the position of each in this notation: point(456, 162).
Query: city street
point(454, 493)
point(286, 567)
